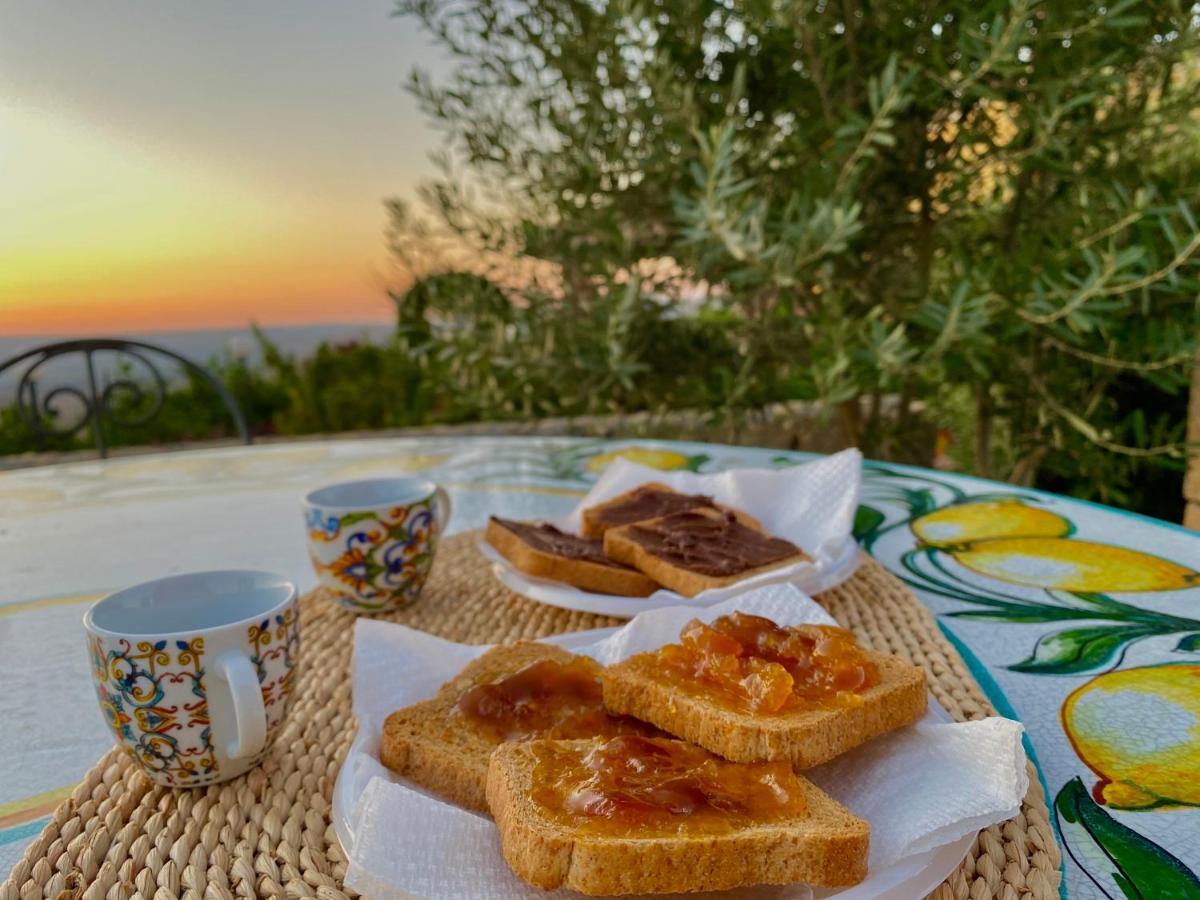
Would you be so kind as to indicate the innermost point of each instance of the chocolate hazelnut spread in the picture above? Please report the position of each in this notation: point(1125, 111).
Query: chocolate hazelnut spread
point(548, 539)
point(710, 543)
point(649, 502)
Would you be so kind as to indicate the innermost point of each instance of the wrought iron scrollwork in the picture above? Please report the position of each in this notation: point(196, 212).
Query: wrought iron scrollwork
point(120, 401)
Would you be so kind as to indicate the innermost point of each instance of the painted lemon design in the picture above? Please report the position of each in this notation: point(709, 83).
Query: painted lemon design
point(646, 456)
point(1139, 730)
point(1067, 565)
point(966, 522)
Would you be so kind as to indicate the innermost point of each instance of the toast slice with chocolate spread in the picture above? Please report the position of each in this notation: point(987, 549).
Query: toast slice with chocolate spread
point(650, 501)
point(543, 551)
point(698, 549)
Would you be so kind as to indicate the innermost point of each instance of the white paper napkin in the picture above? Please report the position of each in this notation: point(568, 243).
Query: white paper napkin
point(812, 505)
point(920, 787)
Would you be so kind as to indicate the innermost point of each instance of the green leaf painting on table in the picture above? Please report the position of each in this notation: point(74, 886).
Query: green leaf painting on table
point(1011, 539)
point(1079, 649)
point(1136, 867)
point(1189, 644)
point(866, 520)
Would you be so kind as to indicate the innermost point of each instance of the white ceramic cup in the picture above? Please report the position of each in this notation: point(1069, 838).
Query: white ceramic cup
point(194, 672)
point(372, 542)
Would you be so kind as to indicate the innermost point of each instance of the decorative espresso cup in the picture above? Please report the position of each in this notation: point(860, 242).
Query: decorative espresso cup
point(372, 542)
point(194, 672)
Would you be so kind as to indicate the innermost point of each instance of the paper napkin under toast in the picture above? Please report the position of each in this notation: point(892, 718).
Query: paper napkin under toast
point(921, 787)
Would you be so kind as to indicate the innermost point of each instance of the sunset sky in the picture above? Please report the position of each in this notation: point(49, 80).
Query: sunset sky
point(175, 164)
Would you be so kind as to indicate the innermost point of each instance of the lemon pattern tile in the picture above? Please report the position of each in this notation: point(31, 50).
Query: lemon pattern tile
point(1087, 619)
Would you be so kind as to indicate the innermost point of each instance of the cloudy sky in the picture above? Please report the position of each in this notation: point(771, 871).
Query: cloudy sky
point(174, 164)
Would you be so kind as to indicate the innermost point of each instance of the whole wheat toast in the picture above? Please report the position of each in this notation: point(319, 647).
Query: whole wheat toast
point(435, 745)
point(612, 513)
point(611, 578)
point(428, 744)
point(806, 738)
point(825, 846)
point(622, 545)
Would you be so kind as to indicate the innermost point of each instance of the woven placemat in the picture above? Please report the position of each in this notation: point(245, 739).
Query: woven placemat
point(268, 833)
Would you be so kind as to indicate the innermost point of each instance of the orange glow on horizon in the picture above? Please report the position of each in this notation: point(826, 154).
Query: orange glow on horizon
point(67, 318)
point(100, 235)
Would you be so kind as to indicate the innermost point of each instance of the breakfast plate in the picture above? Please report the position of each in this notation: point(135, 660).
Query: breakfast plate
point(926, 790)
point(812, 578)
point(811, 506)
point(915, 876)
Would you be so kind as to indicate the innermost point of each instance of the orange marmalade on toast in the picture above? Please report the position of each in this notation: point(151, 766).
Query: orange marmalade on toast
point(750, 664)
point(547, 698)
point(658, 786)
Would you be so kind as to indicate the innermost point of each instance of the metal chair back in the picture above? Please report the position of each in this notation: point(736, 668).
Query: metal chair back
point(97, 398)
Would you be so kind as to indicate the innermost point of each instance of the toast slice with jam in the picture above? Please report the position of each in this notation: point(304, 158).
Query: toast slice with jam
point(632, 815)
point(750, 690)
point(512, 692)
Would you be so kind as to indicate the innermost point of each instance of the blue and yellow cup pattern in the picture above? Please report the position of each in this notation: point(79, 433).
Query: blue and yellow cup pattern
point(376, 559)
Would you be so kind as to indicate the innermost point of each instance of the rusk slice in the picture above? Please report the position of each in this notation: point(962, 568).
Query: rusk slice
point(805, 737)
point(538, 550)
point(825, 846)
point(432, 746)
point(650, 501)
point(671, 568)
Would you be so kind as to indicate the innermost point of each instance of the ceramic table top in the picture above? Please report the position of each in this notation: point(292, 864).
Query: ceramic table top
point(1077, 619)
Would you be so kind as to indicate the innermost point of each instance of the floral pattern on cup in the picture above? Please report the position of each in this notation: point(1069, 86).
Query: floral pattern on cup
point(276, 647)
point(154, 698)
point(152, 695)
point(374, 560)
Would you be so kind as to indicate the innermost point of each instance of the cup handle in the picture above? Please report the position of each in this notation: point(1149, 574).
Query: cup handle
point(250, 715)
point(442, 502)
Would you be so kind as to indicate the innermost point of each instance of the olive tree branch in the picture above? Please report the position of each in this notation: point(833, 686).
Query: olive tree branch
point(1101, 288)
point(1126, 365)
point(1180, 258)
point(1001, 48)
point(1080, 299)
point(1087, 430)
point(880, 122)
point(1119, 225)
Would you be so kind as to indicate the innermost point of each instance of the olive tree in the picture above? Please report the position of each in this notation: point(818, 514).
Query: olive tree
point(982, 206)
